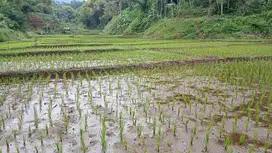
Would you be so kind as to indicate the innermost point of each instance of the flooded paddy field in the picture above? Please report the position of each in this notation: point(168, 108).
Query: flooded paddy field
point(65, 94)
point(211, 107)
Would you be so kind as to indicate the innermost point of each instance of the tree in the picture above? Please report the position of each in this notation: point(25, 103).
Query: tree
point(43, 8)
point(221, 8)
point(3, 2)
point(15, 16)
point(76, 4)
point(65, 13)
point(90, 13)
point(144, 5)
point(210, 8)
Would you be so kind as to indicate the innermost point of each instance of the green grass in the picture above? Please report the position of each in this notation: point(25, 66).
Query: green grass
point(251, 72)
point(132, 51)
point(250, 27)
point(85, 60)
point(18, 44)
point(81, 43)
point(69, 39)
point(10, 35)
point(59, 49)
point(228, 51)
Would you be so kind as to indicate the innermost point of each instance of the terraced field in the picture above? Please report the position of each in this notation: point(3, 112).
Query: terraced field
point(112, 94)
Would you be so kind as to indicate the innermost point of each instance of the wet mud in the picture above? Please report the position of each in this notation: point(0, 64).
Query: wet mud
point(160, 112)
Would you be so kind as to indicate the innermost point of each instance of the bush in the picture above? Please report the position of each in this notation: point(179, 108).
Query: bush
point(138, 25)
point(10, 35)
point(120, 23)
point(13, 18)
point(131, 21)
point(43, 8)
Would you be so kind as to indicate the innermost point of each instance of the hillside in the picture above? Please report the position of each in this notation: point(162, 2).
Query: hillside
point(216, 27)
point(253, 26)
point(167, 19)
point(206, 19)
point(11, 35)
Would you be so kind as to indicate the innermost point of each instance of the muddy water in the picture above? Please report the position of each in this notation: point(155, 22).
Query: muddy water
point(190, 103)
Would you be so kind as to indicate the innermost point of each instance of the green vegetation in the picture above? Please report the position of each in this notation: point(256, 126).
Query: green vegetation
point(117, 51)
point(168, 19)
point(103, 135)
point(11, 35)
point(251, 27)
point(198, 19)
point(102, 94)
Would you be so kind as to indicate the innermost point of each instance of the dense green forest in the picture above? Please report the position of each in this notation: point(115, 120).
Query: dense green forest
point(149, 18)
point(135, 76)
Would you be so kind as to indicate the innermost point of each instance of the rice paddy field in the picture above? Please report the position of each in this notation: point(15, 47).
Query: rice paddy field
point(65, 94)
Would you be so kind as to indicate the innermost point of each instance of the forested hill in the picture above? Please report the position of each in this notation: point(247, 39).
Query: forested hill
point(150, 18)
point(193, 19)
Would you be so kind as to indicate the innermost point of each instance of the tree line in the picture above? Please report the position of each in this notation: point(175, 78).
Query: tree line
point(97, 13)
point(13, 13)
